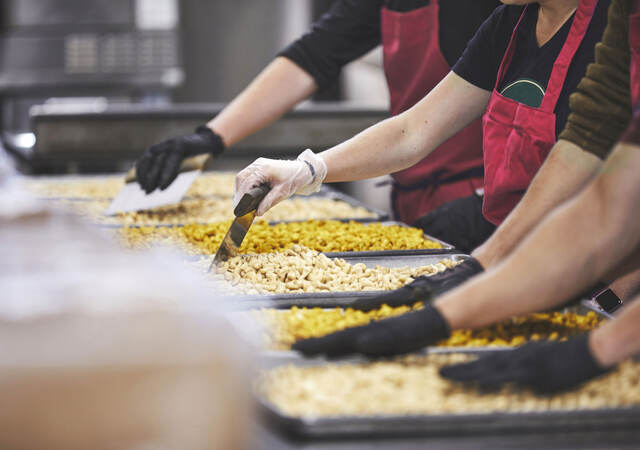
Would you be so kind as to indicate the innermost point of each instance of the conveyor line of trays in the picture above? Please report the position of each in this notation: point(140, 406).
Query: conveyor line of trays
point(299, 271)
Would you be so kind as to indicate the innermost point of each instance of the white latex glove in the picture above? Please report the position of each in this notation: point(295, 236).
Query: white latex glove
point(301, 176)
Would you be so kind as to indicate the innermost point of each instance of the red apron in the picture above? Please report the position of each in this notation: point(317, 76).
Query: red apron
point(634, 47)
point(414, 65)
point(518, 137)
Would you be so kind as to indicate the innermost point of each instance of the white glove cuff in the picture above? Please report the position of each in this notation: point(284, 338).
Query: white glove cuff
point(318, 169)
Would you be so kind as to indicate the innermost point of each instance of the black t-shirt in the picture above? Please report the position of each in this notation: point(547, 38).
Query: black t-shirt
point(352, 27)
point(528, 74)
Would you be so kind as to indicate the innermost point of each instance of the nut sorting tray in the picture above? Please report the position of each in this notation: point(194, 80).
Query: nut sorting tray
point(247, 327)
point(308, 427)
point(378, 215)
point(344, 299)
point(325, 192)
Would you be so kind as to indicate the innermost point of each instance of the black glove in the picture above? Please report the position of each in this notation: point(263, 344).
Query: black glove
point(160, 164)
point(402, 334)
point(546, 367)
point(459, 222)
point(423, 288)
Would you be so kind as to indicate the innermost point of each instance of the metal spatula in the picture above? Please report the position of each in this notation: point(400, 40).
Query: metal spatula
point(245, 212)
point(133, 198)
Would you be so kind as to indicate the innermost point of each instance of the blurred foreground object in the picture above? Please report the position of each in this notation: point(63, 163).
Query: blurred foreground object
point(103, 349)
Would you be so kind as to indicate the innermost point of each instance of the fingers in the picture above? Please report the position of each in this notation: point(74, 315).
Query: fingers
point(142, 168)
point(170, 170)
point(154, 172)
point(275, 196)
point(251, 176)
point(333, 345)
point(395, 298)
point(281, 175)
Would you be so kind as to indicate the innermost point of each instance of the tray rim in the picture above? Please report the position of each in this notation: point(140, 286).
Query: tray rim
point(424, 424)
point(440, 424)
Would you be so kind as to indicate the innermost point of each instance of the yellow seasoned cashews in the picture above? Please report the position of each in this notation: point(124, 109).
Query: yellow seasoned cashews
point(283, 327)
point(412, 385)
point(299, 269)
point(319, 235)
point(518, 330)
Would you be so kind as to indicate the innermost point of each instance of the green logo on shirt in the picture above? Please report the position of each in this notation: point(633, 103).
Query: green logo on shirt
point(526, 91)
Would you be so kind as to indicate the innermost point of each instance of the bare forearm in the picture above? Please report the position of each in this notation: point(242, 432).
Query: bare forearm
point(618, 339)
point(547, 268)
point(280, 86)
point(566, 171)
point(402, 141)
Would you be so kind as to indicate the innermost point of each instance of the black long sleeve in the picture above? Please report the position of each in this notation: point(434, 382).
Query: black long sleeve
point(351, 28)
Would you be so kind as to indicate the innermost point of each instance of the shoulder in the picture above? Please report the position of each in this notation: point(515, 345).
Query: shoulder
point(500, 24)
point(507, 15)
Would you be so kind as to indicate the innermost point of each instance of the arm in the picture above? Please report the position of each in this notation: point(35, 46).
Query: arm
point(280, 86)
point(618, 339)
point(546, 268)
point(566, 170)
point(347, 31)
point(403, 140)
point(600, 111)
point(389, 146)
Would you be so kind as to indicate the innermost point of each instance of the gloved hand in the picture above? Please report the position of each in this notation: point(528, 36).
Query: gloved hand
point(160, 164)
point(402, 334)
point(423, 288)
point(546, 367)
point(459, 222)
point(301, 176)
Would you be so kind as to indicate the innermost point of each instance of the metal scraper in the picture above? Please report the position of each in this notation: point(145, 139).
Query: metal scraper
point(245, 212)
point(133, 198)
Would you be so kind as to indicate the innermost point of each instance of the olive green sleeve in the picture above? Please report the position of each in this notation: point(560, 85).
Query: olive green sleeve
point(601, 106)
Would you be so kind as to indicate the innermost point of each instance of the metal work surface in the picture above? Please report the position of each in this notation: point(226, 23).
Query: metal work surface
point(112, 137)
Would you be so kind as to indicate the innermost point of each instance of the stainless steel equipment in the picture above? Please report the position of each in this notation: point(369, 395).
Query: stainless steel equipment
point(104, 138)
point(111, 49)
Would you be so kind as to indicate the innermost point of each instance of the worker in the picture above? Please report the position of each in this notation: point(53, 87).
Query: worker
point(545, 270)
point(517, 72)
point(603, 103)
point(421, 40)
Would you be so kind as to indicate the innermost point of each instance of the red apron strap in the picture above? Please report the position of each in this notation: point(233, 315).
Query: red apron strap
point(581, 22)
point(508, 55)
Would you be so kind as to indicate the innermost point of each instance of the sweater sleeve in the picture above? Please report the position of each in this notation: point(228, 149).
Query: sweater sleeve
point(601, 105)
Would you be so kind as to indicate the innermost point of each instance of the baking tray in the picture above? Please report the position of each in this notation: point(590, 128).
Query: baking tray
point(325, 192)
point(343, 299)
point(446, 249)
point(450, 425)
point(252, 331)
point(439, 424)
point(379, 215)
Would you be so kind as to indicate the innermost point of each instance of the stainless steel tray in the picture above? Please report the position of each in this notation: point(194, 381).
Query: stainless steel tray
point(608, 419)
point(345, 299)
point(450, 425)
point(325, 192)
point(247, 327)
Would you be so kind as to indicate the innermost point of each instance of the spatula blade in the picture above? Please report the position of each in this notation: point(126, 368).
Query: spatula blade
point(133, 198)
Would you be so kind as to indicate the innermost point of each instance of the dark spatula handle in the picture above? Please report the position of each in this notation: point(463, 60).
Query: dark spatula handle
point(251, 199)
